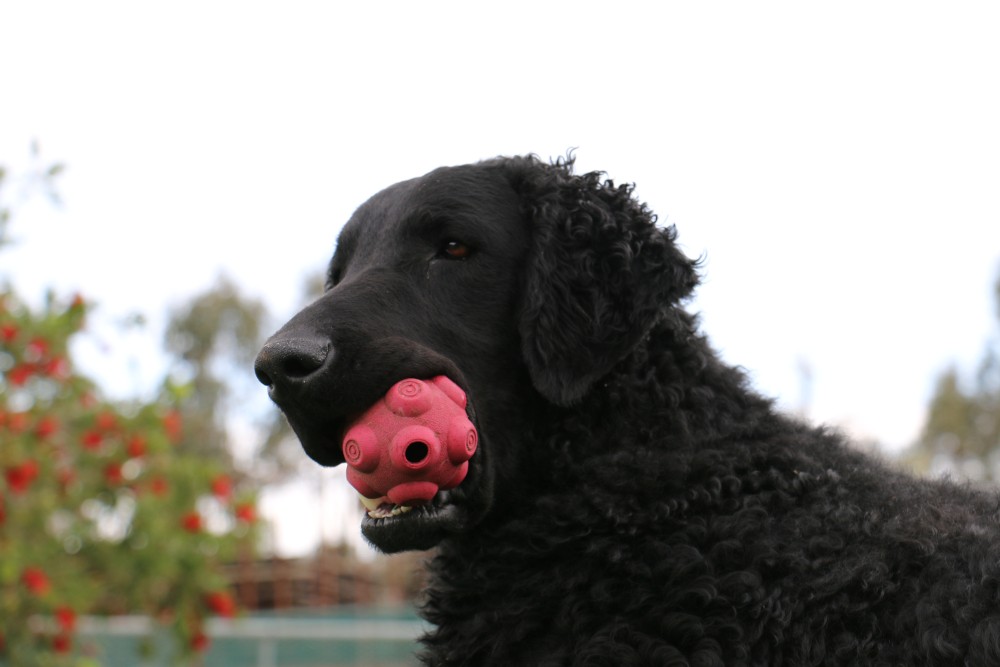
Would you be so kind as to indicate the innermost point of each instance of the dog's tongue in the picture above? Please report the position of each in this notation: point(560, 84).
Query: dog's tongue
point(415, 441)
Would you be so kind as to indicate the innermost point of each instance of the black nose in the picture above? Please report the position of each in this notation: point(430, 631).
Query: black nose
point(283, 361)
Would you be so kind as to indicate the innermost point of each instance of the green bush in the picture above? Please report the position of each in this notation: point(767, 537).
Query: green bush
point(99, 512)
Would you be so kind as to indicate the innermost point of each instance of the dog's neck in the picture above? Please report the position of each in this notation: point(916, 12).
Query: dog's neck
point(672, 380)
point(673, 373)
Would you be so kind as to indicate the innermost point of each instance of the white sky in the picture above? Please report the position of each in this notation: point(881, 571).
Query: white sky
point(838, 164)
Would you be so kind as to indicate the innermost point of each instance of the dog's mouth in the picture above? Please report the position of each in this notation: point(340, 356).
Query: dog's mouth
point(383, 508)
point(392, 527)
point(411, 457)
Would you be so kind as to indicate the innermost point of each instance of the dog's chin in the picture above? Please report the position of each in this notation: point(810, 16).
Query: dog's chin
point(450, 513)
point(420, 528)
point(324, 450)
point(392, 529)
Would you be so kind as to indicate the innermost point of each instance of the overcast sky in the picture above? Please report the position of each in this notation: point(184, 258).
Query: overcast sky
point(838, 165)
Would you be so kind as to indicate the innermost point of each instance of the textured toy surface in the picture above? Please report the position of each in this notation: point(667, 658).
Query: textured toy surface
point(414, 442)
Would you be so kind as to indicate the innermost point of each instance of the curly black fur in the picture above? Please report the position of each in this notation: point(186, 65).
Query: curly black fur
point(646, 506)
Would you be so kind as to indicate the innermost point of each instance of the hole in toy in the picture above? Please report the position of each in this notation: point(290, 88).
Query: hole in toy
point(417, 451)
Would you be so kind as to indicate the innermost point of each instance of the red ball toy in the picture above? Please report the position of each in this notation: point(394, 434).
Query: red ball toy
point(414, 442)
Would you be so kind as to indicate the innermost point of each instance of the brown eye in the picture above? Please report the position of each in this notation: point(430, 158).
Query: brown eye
point(456, 250)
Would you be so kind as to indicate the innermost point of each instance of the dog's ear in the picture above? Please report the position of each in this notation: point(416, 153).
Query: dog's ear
point(599, 275)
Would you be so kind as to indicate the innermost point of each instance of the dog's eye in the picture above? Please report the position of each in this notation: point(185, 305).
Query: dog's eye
point(455, 250)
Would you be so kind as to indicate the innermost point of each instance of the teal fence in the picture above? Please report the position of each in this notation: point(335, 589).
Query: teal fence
point(339, 637)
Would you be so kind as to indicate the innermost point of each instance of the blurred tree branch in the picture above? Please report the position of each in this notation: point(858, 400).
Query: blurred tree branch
point(39, 178)
point(961, 436)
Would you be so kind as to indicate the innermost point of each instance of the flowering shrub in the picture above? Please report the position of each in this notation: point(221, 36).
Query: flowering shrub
point(99, 514)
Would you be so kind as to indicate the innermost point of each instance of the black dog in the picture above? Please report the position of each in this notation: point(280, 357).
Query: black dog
point(632, 501)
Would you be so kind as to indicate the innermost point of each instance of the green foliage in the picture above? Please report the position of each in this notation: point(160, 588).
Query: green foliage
point(102, 510)
point(99, 511)
point(212, 339)
point(962, 433)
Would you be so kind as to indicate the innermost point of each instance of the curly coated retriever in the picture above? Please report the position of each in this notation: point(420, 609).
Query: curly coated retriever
point(632, 500)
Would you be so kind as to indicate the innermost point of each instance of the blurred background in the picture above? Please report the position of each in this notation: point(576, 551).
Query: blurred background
point(175, 176)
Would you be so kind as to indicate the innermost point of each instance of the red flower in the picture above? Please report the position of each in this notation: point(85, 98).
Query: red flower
point(191, 522)
point(62, 643)
point(136, 446)
point(92, 440)
point(17, 421)
point(221, 603)
point(20, 477)
point(172, 424)
point(46, 426)
point(8, 332)
point(246, 512)
point(105, 421)
point(20, 374)
point(36, 349)
point(113, 473)
point(35, 580)
point(159, 486)
point(66, 618)
point(56, 368)
point(199, 641)
point(222, 487)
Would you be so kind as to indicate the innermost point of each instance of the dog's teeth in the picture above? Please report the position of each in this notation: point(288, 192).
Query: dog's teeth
point(383, 511)
point(371, 504)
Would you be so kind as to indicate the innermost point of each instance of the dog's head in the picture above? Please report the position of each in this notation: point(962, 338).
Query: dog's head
point(518, 280)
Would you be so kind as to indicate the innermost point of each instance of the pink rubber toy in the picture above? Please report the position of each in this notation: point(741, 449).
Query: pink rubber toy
point(412, 443)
